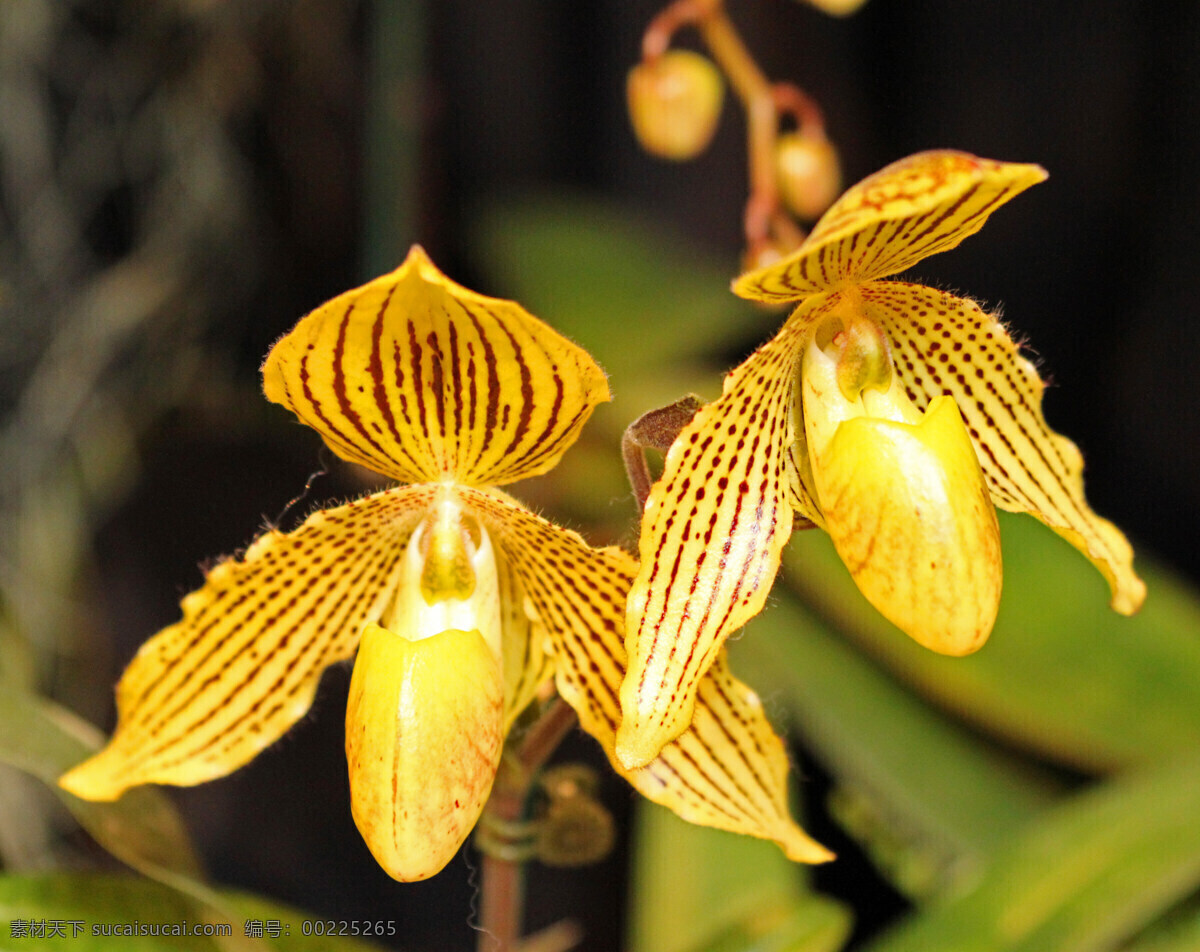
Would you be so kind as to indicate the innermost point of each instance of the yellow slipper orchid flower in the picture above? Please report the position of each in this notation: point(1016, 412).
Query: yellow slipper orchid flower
point(893, 415)
point(459, 603)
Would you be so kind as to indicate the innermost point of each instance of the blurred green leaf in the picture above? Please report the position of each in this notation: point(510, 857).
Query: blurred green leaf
point(811, 924)
point(1083, 877)
point(928, 799)
point(142, 828)
point(1062, 675)
point(16, 655)
point(1179, 931)
point(98, 901)
point(651, 307)
point(693, 886)
point(637, 295)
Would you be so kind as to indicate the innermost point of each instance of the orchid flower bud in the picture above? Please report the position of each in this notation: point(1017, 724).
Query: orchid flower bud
point(810, 176)
point(674, 104)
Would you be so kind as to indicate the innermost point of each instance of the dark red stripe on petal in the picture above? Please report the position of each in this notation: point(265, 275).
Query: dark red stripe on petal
point(343, 397)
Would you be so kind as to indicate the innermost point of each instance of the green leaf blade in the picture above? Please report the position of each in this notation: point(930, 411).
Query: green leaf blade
point(1062, 676)
point(1087, 875)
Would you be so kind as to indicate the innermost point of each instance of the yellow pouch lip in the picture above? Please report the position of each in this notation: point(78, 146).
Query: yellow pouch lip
point(906, 505)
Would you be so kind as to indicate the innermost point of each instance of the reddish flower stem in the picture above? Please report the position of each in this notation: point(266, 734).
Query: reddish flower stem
point(503, 882)
point(766, 224)
point(793, 100)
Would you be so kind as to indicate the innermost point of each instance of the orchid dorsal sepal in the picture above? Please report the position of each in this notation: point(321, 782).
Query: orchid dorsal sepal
point(906, 506)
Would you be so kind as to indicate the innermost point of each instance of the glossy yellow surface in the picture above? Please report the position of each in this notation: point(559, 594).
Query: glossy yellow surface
point(416, 786)
point(906, 505)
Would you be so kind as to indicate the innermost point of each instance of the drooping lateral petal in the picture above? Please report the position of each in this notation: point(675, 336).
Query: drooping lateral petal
point(729, 732)
point(207, 694)
point(420, 379)
point(926, 203)
point(424, 732)
point(712, 531)
point(728, 769)
point(947, 344)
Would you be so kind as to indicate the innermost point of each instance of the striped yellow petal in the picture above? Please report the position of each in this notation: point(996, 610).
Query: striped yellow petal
point(572, 591)
point(889, 221)
point(712, 532)
point(728, 769)
point(947, 344)
point(424, 732)
point(205, 695)
point(420, 379)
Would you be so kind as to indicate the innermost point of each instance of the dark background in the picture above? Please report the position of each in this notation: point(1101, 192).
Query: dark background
point(1097, 268)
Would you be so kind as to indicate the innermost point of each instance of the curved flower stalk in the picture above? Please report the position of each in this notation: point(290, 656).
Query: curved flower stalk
point(892, 415)
point(459, 603)
point(675, 98)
